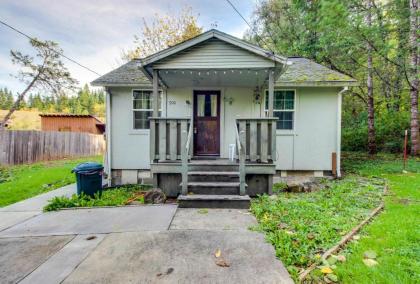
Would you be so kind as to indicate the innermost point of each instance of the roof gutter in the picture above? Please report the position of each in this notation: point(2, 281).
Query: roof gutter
point(338, 141)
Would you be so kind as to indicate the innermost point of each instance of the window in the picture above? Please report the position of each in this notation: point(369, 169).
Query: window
point(207, 105)
point(142, 108)
point(283, 108)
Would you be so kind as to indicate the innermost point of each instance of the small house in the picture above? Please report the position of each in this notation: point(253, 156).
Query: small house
point(71, 123)
point(219, 117)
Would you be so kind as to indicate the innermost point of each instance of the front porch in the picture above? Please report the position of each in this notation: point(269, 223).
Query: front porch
point(213, 181)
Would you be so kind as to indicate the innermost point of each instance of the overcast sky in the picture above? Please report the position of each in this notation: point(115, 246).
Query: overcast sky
point(95, 32)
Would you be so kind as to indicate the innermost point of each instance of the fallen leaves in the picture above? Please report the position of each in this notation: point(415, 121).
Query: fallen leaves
point(218, 253)
point(222, 263)
point(203, 211)
point(341, 258)
point(369, 254)
point(220, 260)
point(369, 262)
point(326, 270)
point(369, 258)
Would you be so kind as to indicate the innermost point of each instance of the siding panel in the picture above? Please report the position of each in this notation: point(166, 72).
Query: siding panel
point(214, 54)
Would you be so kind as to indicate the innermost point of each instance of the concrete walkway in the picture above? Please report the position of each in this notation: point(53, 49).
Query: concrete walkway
point(26, 209)
point(136, 244)
point(37, 203)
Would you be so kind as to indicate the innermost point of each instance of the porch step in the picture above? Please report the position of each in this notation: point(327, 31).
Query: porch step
point(214, 201)
point(213, 176)
point(212, 167)
point(213, 188)
point(209, 173)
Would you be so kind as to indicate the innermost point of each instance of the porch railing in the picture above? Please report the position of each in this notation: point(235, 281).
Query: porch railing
point(258, 138)
point(168, 137)
point(255, 142)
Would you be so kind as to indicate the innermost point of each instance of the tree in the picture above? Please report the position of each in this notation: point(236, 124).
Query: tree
point(376, 52)
point(163, 32)
point(47, 72)
point(369, 84)
point(414, 75)
point(6, 99)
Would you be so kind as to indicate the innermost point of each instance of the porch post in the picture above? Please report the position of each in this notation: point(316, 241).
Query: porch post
point(270, 92)
point(155, 94)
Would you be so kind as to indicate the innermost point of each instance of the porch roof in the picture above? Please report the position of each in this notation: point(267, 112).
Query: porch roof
point(295, 71)
point(302, 72)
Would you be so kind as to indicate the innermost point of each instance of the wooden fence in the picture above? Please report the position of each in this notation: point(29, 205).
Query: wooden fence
point(27, 146)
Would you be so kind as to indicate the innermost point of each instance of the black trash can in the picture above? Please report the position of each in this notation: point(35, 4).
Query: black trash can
point(89, 178)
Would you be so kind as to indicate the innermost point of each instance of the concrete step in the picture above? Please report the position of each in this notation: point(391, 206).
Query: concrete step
point(213, 176)
point(210, 173)
point(212, 166)
point(214, 188)
point(214, 201)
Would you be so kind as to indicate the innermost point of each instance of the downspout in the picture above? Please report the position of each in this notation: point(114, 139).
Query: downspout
point(108, 135)
point(338, 146)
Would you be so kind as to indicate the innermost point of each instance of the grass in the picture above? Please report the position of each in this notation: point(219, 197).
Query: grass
point(24, 181)
point(301, 226)
point(110, 197)
point(395, 234)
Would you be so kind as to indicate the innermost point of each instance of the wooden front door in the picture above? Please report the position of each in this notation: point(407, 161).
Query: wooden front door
point(207, 123)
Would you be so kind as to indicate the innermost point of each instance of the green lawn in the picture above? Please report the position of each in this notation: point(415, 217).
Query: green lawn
point(301, 226)
point(395, 233)
point(25, 181)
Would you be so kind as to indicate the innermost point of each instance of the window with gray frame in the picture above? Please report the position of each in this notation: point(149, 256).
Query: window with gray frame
point(283, 108)
point(142, 108)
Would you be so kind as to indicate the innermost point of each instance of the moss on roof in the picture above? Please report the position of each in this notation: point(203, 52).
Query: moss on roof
point(305, 70)
point(302, 72)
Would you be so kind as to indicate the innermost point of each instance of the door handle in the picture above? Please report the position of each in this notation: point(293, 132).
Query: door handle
point(195, 130)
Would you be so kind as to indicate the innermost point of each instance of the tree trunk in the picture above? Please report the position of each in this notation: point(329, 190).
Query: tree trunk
point(369, 83)
point(19, 99)
point(414, 84)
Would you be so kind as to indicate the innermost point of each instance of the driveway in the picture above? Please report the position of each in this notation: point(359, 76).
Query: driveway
point(137, 244)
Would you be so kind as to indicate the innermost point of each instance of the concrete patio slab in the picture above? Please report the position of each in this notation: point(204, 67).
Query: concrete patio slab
point(181, 257)
point(8, 219)
point(95, 220)
point(60, 265)
point(212, 219)
point(20, 256)
point(38, 202)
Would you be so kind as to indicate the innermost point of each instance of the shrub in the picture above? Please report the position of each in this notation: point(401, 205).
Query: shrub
point(110, 197)
point(389, 128)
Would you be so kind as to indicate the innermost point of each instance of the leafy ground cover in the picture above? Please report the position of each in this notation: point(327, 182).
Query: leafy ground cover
point(24, 181)
point(110, 197)
point(301, 226)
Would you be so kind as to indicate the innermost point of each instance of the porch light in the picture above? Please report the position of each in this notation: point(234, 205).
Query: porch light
point(257, 95)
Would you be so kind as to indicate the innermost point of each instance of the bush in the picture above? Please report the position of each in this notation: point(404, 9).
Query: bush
point(110, 197)
point(389, 127)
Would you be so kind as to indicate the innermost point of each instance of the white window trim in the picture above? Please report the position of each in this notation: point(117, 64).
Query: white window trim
point(133, 130)
point(284, 131)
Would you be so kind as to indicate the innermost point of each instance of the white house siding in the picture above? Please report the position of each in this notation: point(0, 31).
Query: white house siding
point(307, 147)
point(130, 148)
point(214, 53)
point(310, 145)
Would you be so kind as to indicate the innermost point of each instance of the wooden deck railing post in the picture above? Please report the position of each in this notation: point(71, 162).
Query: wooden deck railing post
point(242, 157)
point(261, 138)
point(169, 142)
point(152, 140)
point(184, 157)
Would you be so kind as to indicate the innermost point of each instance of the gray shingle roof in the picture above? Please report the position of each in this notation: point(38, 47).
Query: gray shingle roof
point(307, 72)
point(125, 75)
point(302, 72)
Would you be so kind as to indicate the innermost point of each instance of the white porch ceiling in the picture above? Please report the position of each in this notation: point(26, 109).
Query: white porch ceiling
point(213, 78)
